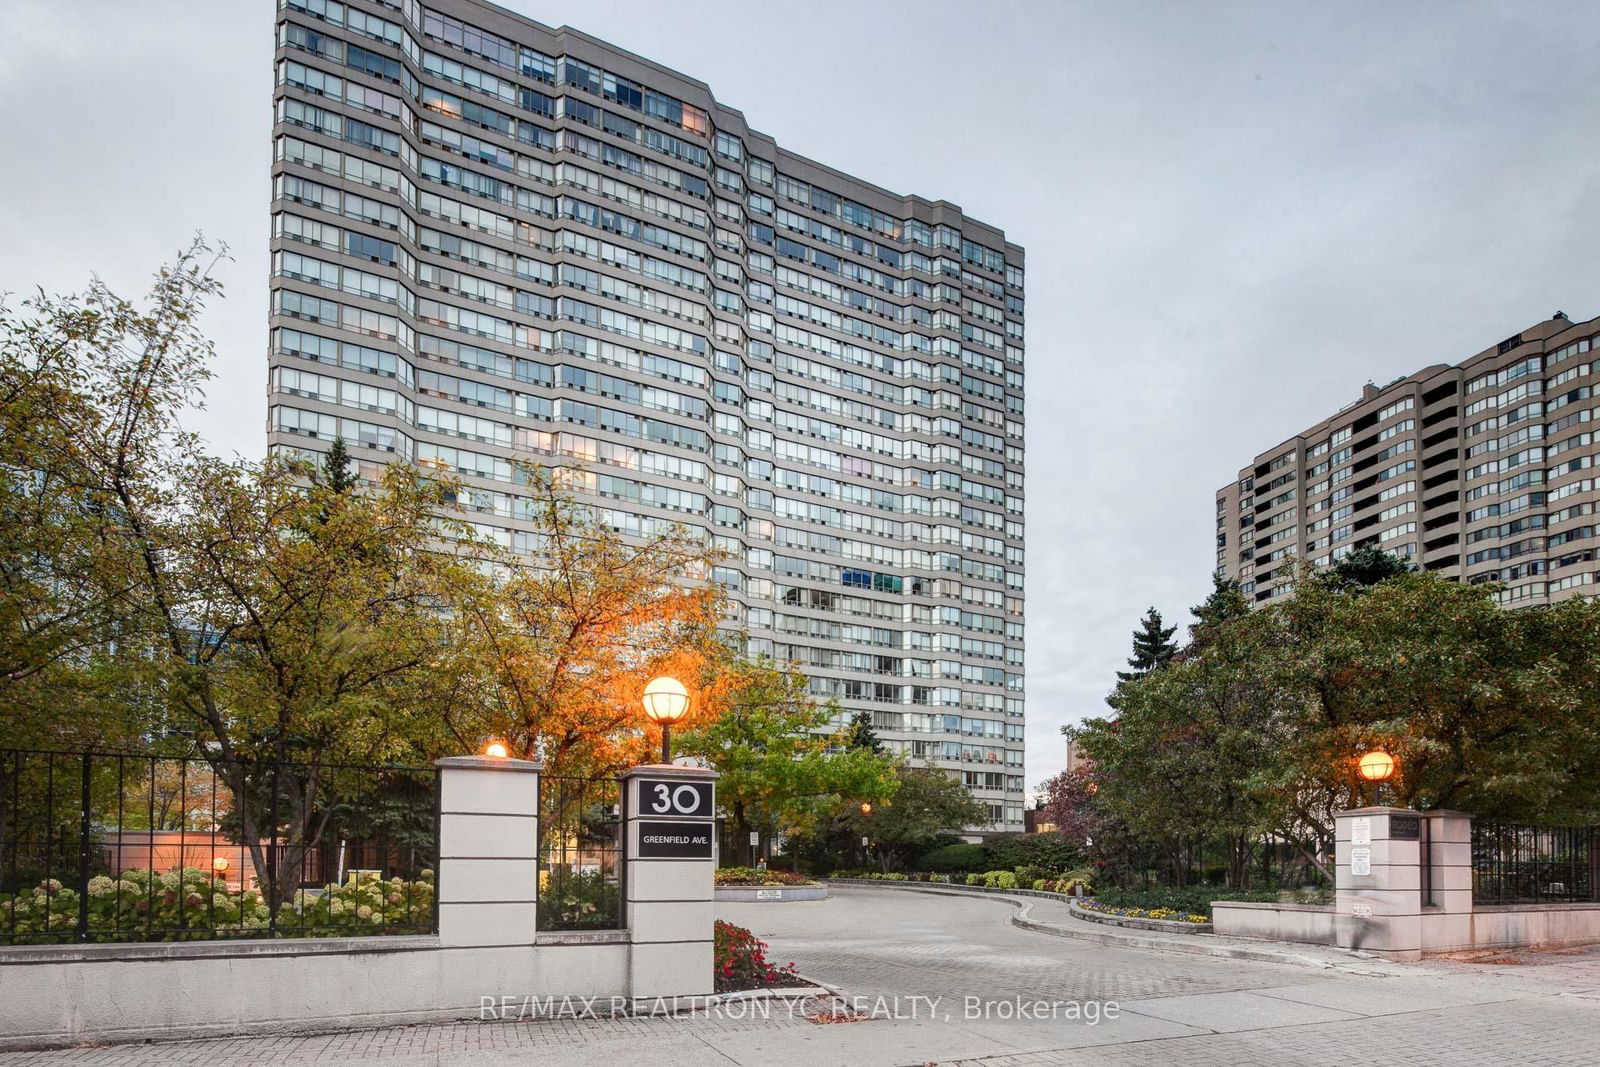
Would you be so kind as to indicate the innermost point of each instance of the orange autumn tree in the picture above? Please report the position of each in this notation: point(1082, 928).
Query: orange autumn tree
point(570, 633)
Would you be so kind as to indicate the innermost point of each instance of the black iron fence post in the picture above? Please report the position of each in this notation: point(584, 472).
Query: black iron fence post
point(83, 854)
point(271, 894)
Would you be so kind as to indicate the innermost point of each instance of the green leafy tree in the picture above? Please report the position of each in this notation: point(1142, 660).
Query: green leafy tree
point(925, 806)
point(1487, 710)
point(256, 616)
point(781, 769)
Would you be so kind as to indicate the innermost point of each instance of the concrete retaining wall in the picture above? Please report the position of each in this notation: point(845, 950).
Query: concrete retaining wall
point(740, 894)
point(1310, 924)
point(64, 994)
point(1508, 925)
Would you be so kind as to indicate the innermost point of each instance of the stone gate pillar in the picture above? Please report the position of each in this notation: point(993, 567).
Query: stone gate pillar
point(1378, 885)
point(488, 876)
point(667, 885)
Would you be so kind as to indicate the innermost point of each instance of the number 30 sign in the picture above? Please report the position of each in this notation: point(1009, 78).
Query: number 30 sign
point(674, 798)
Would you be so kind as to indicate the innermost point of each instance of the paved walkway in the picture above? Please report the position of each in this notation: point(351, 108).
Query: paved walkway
point(936, 978)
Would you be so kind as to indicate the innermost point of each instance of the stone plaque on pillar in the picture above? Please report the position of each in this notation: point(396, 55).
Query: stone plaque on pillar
point(671, 863)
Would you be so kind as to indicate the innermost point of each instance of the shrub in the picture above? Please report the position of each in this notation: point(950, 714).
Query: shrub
point(954, 858)
point(740, 961)
point(974, 879)
point(1050, 851)
point(1028, 874)
point(578, 900)
point(1189, 900)
point(193, 905)
point(1041, 883)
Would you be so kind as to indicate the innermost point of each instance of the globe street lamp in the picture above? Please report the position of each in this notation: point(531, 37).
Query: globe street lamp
point(1376, 767)
point(665, 701)
point(497, 750)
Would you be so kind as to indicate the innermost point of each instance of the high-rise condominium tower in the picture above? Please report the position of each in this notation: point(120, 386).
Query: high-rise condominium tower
point(492, 239)
point(1483, 471)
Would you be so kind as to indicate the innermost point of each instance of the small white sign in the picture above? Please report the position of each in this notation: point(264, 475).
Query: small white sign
point(1361, 862)
point(1361, 831)
point(755, 837)
point(777, 894)
point(1361, 911)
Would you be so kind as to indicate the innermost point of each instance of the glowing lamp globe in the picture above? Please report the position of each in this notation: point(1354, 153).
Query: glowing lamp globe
point(665, 700)
point(496, 750)
point(1376, 766)
point(220, 865)
point(866, 809)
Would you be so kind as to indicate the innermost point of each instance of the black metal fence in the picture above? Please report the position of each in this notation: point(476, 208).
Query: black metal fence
point(581, 866)
point(1514, 864)
point(102, 846)
point(1254, 863)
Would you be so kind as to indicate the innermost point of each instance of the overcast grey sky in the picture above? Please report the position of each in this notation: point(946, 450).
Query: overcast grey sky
point(1235, 214)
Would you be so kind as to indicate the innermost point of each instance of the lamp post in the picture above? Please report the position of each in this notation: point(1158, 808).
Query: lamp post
point(1377, 767)
point(665, 701)
point(866, 810)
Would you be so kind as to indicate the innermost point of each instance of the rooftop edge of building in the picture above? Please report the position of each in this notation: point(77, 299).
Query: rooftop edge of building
point(1540, 331)
point(698, 93)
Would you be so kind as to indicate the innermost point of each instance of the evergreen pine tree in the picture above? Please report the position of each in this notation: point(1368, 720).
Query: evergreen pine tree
point(1367, 566)
point(1225, 603)
point(1152, 647)
point(860, 733)
point(336, 474)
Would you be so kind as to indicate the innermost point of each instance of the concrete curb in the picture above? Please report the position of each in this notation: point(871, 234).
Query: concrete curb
point(1194, 944)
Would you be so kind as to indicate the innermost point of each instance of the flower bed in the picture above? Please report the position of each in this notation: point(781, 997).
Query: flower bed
point(1070, 883)
point(741, 962)
point(754, 876)
point(194, 905)
point(1159, 914)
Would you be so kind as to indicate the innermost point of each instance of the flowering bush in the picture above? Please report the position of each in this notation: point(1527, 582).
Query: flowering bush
point(578, 900)
point(365, 905)
point(741, 961)
point(757, 876)
point(193, 905)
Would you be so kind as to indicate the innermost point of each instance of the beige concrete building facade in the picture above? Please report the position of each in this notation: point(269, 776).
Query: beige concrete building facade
point(497, 242)
point(1483, 471)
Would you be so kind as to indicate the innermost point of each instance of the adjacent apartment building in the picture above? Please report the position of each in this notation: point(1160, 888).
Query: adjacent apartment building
point(1483, 471)
point(492, 239)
